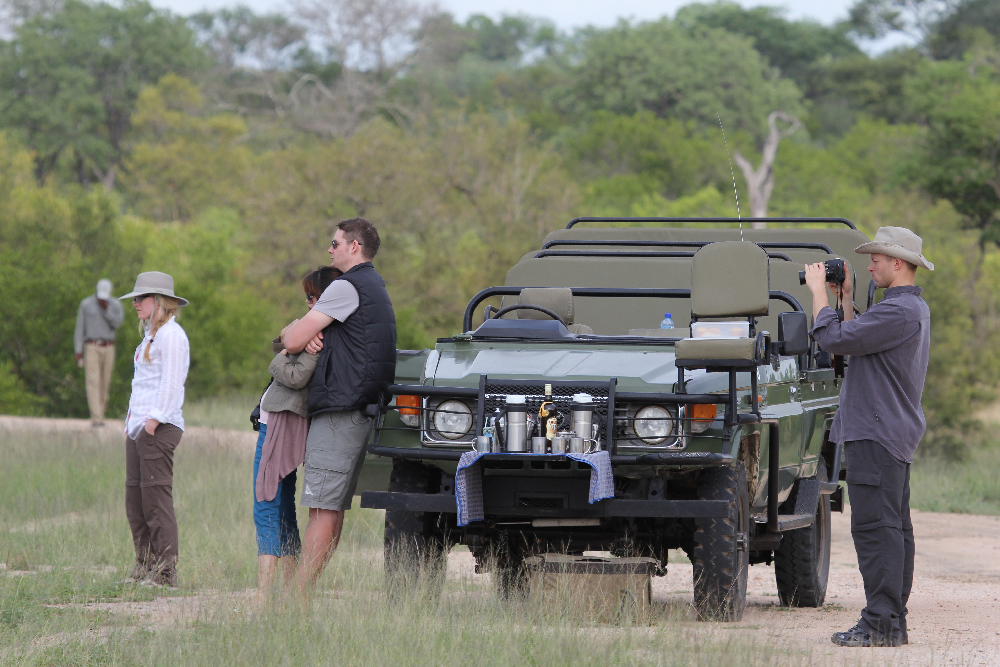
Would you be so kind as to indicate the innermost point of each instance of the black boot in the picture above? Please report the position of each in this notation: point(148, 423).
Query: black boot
point(857, 636)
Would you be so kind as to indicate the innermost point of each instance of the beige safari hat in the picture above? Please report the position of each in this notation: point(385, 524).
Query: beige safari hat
point(896, 242)
point(154, 282)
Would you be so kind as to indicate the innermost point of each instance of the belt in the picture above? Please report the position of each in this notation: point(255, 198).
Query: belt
point(100, 343)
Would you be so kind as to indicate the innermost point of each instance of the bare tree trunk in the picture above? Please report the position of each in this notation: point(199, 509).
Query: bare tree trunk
point(760, 181)
point(108, 177)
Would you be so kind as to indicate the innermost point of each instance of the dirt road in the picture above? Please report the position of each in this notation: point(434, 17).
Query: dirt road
point(953, 609)
point(954, 614)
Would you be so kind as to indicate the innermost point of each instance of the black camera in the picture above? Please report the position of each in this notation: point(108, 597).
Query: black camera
point(835, 272)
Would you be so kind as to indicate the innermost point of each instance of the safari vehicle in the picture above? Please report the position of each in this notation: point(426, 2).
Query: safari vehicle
point(719, 446)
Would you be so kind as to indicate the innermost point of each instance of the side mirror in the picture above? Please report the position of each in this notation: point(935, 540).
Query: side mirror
point(793, 333)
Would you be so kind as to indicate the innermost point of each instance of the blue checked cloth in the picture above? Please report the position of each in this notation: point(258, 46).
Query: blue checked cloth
point(469, 482)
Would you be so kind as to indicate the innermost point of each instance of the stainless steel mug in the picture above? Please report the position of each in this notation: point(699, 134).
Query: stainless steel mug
point(560, 443)
point(484, 444)
point(539, 444)
point(516, 432)
point(576, 446)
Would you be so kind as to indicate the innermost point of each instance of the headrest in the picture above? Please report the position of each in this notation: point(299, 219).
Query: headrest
point(730, 278)
point(557, 299)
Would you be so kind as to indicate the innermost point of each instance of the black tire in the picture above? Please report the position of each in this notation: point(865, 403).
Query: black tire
point(415, 549)
point(802, 559)
point(509, 576)
point(720, 553)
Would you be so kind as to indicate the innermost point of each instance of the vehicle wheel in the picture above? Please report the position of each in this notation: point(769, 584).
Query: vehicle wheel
point(720, 553)
point(509, 575)
point(802, 559)
point(415, 550)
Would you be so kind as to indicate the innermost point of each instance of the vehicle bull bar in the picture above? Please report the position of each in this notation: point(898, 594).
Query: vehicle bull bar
point(655, 398)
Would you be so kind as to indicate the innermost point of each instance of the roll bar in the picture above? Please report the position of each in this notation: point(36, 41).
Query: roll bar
point(634, 292)
point(731, 221)
point(633, 253)
point(680, 244)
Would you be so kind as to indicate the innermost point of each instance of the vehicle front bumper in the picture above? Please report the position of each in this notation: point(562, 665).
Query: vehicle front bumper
point(612, 507)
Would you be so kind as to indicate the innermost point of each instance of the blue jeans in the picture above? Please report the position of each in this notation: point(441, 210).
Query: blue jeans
point(277, 527)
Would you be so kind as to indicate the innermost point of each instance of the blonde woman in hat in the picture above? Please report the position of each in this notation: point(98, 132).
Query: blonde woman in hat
point(153, 428)
point(880, 422)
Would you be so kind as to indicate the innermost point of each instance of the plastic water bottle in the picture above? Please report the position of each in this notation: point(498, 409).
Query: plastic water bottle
point(668, 322)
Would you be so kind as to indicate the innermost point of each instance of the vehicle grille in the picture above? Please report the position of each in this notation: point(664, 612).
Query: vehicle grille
point(562, 395)
point(539, 503)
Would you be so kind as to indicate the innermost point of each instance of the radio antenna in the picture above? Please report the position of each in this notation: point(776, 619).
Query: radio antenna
point(733, 174)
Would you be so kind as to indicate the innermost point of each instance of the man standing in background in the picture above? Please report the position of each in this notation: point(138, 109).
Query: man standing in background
point(94, 343)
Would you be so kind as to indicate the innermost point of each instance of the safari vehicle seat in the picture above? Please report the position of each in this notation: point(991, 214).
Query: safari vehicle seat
point(729, 280)
point(557, 299)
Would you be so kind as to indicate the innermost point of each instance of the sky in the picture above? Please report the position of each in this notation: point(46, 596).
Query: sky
point(569, 14)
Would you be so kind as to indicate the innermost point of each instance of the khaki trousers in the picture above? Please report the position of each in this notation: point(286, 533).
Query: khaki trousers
point(98, 363)
point(149, 501)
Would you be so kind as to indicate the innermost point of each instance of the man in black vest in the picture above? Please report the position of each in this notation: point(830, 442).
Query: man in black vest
point(353, 328)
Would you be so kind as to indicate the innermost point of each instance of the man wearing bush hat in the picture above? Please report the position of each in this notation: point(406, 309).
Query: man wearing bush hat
point(97, 319)
point(880, 422)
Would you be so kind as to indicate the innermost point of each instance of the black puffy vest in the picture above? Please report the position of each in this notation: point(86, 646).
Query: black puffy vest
point(358, 360)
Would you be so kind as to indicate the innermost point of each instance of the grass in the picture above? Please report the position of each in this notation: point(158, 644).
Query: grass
point(64, 541)
point(968, 487)
point(231, 411)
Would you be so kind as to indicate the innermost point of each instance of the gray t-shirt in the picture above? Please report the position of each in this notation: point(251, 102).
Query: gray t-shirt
point(338, 300)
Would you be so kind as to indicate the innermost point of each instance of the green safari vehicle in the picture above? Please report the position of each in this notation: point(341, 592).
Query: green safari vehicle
point(716, 430)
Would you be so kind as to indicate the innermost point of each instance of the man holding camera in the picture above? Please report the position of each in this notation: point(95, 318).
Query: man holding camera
point(880, 421)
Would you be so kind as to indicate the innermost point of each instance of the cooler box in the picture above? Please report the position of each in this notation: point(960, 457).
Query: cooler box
point(607, 590)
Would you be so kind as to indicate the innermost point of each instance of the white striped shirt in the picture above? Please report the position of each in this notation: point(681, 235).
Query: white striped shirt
point(158, 386)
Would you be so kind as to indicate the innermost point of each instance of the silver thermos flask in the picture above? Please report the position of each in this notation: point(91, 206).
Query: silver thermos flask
point(583, 416)
point(517, 423)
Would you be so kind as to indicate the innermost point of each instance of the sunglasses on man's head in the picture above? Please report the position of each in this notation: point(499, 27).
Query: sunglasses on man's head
point(334, 244)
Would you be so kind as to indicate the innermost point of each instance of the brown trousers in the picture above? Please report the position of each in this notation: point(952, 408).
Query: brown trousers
point(98, 362)
point(149, 501)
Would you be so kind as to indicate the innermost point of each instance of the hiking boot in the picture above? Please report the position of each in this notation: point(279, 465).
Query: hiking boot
point(136, 576)
point(857, 636)
point(163, 578)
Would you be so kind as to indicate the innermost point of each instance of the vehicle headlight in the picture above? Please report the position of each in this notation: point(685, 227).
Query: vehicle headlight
point(452, 420)
point(653, 424)
point(702, 417)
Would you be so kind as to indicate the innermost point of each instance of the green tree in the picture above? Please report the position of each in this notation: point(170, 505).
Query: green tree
point(69, 79)
point(970, 23)
point(960, 103)
point(54, 247)
point(228, 322)
point(676, 72)
point(183, 161)
point(626, 158)
point(799, 49)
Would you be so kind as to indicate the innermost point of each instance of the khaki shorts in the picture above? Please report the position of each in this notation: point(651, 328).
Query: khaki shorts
point(335, 451)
